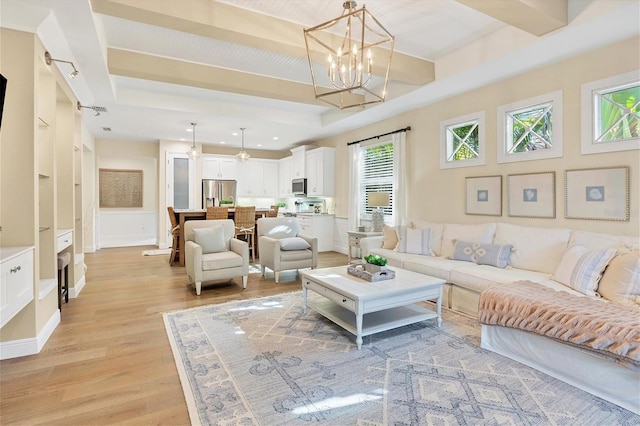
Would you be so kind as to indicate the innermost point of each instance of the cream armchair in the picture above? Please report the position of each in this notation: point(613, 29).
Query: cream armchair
point(281, 247)
point(213, 254)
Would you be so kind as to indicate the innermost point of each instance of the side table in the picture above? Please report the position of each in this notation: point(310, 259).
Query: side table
point(354, 242)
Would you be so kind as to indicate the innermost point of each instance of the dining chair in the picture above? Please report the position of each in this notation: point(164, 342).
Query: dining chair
point(273, 211)
point(175, 234)
point(245, 224)
point(215, 212)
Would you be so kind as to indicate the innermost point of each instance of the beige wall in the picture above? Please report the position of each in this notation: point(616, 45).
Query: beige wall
point(438, 195)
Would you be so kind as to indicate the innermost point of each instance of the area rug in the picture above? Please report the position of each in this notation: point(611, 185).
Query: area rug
point(156, 252)
point(266, 362)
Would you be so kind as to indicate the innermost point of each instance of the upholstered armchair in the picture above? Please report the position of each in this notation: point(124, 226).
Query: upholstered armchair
point(213, 254)
point(281, 246)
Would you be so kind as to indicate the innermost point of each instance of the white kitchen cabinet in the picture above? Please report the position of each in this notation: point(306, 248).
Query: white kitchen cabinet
point(299, 162)
point(285, 168)
point(219, 167)
point(16, 277)
point(319, 226)
point(258, 178)
point(321, 171)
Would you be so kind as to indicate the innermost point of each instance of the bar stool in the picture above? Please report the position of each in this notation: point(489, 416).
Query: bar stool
point(63, 265)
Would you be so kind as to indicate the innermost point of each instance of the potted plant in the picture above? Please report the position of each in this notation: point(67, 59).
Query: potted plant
point(374, 263)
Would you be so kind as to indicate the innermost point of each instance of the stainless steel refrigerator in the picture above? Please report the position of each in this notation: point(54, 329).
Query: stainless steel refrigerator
point(218, 192)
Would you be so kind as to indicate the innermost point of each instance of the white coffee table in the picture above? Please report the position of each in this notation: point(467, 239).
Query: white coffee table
point(364, 308)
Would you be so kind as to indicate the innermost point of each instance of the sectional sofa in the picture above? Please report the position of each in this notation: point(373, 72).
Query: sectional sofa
point(564, 302)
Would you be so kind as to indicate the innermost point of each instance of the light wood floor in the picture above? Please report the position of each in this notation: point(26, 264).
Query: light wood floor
point(109, 360)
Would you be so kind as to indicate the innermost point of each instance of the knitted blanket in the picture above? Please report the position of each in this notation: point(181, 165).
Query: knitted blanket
point(603, 327)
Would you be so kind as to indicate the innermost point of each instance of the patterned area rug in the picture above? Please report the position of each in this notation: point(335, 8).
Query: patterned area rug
point(265, 362)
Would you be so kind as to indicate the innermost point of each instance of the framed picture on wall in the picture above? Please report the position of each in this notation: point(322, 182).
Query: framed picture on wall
point(598, 194)
point(484, 195)
point(532, 195)
point(120, 188)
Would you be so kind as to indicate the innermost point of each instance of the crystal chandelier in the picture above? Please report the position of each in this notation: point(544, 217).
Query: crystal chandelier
point(193, 151)
point(243, 155)
point(358, 48)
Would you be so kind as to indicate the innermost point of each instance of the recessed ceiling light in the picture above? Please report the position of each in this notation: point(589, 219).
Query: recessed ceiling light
point(275, 138)
point(259, 144)
point(182, 139)
point(222, 142)
point(189, 130)
point(234, 134)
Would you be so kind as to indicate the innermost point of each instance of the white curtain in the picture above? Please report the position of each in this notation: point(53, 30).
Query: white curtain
point(354, 186)
point(400, 177)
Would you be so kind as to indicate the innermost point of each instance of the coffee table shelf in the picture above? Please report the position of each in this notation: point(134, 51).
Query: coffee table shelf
point(374, 322)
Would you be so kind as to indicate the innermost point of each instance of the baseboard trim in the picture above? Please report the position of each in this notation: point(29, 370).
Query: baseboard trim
point(30, 346)
point(77, 288)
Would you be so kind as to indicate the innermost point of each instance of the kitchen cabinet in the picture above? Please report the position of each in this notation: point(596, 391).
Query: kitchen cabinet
point(320, 169)
point(258, 178)
point(219, 167)
point(285, 168)
point(319, 226)
point(298, 162)
point(16, 288)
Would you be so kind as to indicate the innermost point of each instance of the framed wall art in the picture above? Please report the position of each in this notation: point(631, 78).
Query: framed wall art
point(484, 195)
point(120, 188)
point(598, 194)
point(532, 195)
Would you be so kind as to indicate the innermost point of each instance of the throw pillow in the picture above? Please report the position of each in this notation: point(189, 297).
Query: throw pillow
point(210, 239)
point(389, 237)
point(414, 241)
point(582, 269)
point(294, 243)
point(621, 280)
point(483, 254)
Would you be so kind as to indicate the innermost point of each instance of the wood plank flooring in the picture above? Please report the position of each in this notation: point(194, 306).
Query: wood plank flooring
point(109, 360)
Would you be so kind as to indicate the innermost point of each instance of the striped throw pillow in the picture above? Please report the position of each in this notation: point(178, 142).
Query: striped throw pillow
point(581, 269)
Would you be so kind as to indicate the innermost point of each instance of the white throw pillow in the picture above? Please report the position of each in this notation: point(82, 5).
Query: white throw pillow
point(210, 239)
point(294, 243)
point(415, 241)
point(582, 269)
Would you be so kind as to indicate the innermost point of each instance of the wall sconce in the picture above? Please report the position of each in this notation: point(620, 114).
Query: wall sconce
point(95, 109)
point(48, 59)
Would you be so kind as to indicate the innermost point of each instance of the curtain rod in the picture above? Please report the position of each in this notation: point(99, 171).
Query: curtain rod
point(406, 129)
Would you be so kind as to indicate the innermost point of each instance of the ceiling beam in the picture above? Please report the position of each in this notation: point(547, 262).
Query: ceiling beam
point(240, 26)
point(537, 17)
point(166, 70)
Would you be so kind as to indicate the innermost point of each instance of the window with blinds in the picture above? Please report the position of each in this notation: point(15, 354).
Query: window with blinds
point(376, 175)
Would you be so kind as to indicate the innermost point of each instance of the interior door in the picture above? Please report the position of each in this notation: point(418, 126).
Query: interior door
point(180, 179)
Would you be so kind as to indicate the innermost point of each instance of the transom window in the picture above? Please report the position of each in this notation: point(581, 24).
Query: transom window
point(611, 114)
point(531, 129)
point(376, 175)
point(462, 141)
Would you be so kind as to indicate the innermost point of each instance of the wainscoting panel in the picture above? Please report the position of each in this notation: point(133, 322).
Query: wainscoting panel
point(123, 228)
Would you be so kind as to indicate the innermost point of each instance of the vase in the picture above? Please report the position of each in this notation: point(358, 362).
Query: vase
point(373, 269)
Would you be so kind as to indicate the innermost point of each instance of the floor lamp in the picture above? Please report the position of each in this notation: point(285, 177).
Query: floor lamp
point(378, 200)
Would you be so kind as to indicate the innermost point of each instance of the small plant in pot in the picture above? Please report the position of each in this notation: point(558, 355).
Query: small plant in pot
point(374, 263)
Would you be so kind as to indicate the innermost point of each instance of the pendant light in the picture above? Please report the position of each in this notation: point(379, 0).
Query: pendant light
point(243, 155)
point(193, 151)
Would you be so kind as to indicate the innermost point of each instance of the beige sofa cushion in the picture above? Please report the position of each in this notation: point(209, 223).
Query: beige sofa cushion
point(481, 277)
point(439, 267)
point(621, 280)
point(482, 233)
point(534, 249)
point(596, 241)
point(222, 260)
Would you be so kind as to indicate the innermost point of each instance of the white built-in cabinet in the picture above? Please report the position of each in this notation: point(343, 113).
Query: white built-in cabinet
point(257, 178)
point(299, 162)
point(41, 173)
point(320, 172)
point(285, 169)
point(319, 226)
point(219, 167)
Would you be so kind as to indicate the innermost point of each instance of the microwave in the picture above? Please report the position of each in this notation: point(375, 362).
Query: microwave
point(299, 187)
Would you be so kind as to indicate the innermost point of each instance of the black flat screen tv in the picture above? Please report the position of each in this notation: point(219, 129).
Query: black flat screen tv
point(3, 90)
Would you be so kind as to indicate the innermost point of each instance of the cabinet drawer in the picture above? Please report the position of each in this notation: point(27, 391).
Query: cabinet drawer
point(64, 241)
point(354, 241)
point(16, 290)
point(338, 298)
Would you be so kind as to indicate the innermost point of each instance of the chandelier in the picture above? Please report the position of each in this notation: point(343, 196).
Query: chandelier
point(358, 50)
point(243, 155)
point(193, 151)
